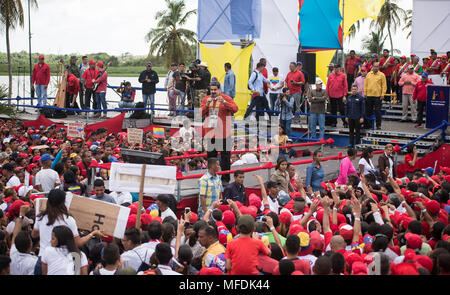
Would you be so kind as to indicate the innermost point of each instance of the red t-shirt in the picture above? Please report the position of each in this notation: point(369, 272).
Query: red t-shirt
point(264, 72)
point(350, 63)
point(300, 264)
point(243, 253)
point(390, 66)
point(436, 63)
point(409, 168)
point(296, 76)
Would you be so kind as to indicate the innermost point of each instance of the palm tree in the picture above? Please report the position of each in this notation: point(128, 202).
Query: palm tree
point(389, 17)
point(169, 39)
point(374, 42)
point(408, 22)
point(11, 16)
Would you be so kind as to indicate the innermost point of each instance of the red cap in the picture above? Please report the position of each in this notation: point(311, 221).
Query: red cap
point(433, 206)
point(414, 241)
point(346, 231)
point(224, 207)
point(285, 217)
point(228, 217)
point(352, 257)
point(359, 268)
point(254, 200)
point(92, 62)
point(404, 268)
point(316, 241)
point(36, 159)
point(425, 262)
point(41, 57)
point(445, 169)
point(100, 64)
point(146, 219)
point(423, 181)
point(210, 271)
point(194, 217)
point(131, 220)
point(403, 57)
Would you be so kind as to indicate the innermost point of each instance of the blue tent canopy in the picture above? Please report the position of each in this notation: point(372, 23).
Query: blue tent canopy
point(221, 20)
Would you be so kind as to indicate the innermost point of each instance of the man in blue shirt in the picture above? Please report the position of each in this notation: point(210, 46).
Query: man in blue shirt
point(354, 115)
point(256, 85)
point(210, 187)
point(285, 103)
point(229, 84)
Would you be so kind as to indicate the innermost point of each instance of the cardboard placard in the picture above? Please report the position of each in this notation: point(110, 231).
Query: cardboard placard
point(126, 177)
point(110, 219)
point(75, 129)
point(135, 135)
point(158, 132)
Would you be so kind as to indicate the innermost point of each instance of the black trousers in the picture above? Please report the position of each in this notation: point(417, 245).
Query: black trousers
point(260, 103)
point(337, 104)
point(373, 104)
point(224, 147)
point(421, 106)
point(81, 96)
point(388, 88)
point(88, 94)
point(350, 80)
point(398, 91)
point(354, 128)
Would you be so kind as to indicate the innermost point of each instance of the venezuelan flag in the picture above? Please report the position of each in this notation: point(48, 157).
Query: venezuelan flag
point(158, 132)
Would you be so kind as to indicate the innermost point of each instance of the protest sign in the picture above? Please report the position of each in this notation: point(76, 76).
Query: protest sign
point(111, 219)
point(126, 177)
point(75, 129)
point(134, 135)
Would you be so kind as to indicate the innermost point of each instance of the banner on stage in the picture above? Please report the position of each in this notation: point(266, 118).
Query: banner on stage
point(110, 219)
point(134, 135)
point(437, 105)
point(438, 80)
point(126, 177)
point(75, 129)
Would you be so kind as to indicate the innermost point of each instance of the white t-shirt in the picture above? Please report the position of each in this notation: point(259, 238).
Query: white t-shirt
point(311, 259)
point(134, 258)
point(183, 132)
point(22, 263)
point(13, 181)
point(249, 158)
point(59, 262)
point(122, 197)
point(166, 270)
point(238, 163)
point(168, 212)
point(45, 231)
point(47, 178)
point(368, 166)
point(273, 205)
point(276, 82)
point(104, 272)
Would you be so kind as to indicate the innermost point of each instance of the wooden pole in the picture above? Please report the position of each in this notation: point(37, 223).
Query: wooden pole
point(141, 197)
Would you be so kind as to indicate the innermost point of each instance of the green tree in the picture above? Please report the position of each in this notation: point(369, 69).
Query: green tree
point(408, 22)
point(169, 39)
point(389, 18)
point(374, 43)
point(11, 16)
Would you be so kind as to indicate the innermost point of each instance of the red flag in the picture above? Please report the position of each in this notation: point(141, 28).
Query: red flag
point(41, 121)
point(114, 125)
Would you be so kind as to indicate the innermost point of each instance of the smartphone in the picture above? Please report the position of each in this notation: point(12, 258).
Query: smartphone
point(187, 210)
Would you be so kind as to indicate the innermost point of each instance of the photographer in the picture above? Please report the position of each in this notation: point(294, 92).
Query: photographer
point(180, 85)
point(285, 103)
point(201, 84)
point(128, 94)
point(191, 79)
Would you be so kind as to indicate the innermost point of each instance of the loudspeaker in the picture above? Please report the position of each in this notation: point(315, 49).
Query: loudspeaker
point(142, 157)
point(309, 65)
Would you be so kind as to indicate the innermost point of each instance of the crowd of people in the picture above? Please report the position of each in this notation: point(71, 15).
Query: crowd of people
point(291, 225)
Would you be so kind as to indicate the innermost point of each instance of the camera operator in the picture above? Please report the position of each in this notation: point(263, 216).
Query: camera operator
point(201, 84)
point(191, 76)
point(128, 94)
point(285, 103)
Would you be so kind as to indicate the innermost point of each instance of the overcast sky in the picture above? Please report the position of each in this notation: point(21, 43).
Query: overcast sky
point(116, 27)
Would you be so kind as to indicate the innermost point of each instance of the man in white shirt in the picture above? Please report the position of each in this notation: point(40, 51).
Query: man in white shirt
point(272, 197)
point(135, 254)
point(122, 197)
point(275, 86)
point(8, 172)
point(163, 203)
point(22, 262)
point(249, 158)
point(47, 179)
point(164, 256)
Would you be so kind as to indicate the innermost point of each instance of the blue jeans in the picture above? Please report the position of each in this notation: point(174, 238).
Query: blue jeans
point(273, 98)
point(287, 126)
point(313, 120)
point(41, 93)
point(145, 98)
point(182, 96)
point(101, 100)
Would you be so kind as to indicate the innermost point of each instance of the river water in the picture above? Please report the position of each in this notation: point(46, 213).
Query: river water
point(21, 87)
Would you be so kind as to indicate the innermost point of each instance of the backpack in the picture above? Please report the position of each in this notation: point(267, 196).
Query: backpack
point(248, 87)
point(152, 272)
point(144, 266)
